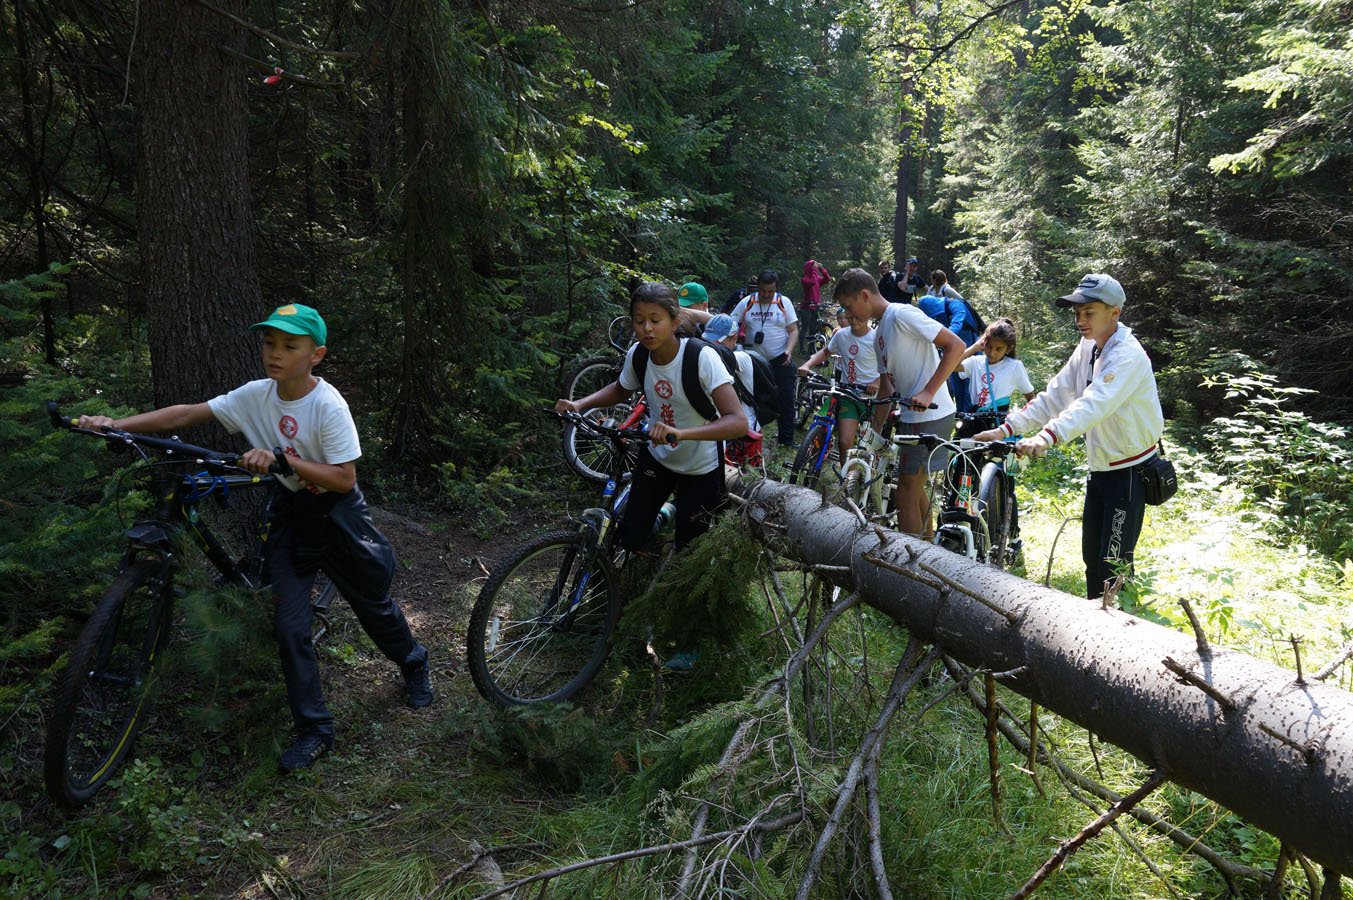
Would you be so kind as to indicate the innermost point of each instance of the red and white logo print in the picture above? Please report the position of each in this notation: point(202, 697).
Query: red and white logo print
point(287, 425)
point(854, 350)
point(663, 389)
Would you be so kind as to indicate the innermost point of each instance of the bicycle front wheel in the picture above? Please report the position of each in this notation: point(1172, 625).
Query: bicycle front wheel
point(541, 628)
point(854, 489)
point(104, 696)
point(807, 465)
point(593, 456)
point(994, 507)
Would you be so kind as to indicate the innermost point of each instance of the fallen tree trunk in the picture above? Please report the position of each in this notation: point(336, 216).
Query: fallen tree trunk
point(1240, 731)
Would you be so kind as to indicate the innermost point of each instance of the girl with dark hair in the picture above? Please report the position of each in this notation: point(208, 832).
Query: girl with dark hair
point(682, 454)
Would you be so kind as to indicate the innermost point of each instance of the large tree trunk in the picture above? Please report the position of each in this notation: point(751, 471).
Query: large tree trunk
point(193, 202)
point(1277, 751)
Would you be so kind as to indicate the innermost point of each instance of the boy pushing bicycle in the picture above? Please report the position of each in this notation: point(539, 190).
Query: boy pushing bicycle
point(319, 518)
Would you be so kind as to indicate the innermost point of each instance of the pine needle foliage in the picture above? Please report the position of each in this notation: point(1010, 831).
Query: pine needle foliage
point(707, 600)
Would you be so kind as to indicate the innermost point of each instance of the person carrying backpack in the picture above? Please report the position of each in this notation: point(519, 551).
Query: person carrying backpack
point(948, 307)
point(770, 330)
point(691, 407)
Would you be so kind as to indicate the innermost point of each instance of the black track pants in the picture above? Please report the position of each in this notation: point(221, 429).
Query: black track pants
point(333, 532)
point(698, 497)
point(1114, 505)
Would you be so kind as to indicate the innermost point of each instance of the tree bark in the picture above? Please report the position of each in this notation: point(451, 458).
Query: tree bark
point(194, 211)
point(1281, 757)
point(903, 185)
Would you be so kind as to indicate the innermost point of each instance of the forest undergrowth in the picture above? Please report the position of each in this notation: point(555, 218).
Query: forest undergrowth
point(459, 798)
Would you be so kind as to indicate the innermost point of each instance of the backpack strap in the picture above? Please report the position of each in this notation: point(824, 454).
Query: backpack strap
point(690, 380)
point(641, 363)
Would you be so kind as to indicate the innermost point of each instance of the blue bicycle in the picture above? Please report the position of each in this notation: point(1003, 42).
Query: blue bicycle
point(817, 446)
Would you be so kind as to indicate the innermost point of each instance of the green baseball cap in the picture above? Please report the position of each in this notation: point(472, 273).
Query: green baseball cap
point(692, 293)
point(296, 319)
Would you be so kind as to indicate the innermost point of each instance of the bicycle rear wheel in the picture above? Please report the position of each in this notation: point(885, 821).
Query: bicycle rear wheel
point(808, 462)
point(591, 375)
point(994, 507)
point(541, 628)
point(104, 696)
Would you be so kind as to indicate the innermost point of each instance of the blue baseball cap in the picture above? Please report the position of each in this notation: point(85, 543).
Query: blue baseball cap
point(720, 328)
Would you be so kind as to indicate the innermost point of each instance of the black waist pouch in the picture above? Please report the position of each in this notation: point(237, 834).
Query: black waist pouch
point(1158, 479)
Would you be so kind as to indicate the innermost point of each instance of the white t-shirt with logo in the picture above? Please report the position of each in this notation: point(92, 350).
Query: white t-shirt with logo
point(906, 350)
point(667, 403)
point(747, 377)
point(859, 361)
point(771, 319)
point(998, 381)
point(317, 427)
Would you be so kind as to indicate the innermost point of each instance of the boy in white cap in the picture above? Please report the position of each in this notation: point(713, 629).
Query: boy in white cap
point(1107, 392)
point(722, 329)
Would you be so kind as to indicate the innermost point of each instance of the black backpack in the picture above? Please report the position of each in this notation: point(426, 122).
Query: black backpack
point(690, 375)
point(766, 391)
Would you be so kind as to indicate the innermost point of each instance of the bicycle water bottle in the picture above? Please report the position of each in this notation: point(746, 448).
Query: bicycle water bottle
point(964, 491)
point(666, 515)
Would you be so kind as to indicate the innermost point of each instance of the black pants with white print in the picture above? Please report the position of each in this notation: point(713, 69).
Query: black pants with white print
point(1114, 505)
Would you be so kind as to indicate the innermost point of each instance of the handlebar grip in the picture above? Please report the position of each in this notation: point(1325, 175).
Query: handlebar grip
point(58, 420)
point(281, 467)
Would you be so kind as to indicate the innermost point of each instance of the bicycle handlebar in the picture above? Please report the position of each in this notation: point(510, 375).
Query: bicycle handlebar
point(852, 391)
point(637, 433)
point(168, 446)
point(963, 445)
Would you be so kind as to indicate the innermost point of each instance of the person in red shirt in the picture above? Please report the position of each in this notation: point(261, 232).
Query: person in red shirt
point(815, 277)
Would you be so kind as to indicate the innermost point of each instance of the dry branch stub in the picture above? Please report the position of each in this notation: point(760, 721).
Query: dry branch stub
point(1102, 669)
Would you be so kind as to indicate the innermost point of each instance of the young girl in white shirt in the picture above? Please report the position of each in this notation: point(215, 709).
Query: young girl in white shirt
point(681, 455)
point(993, 375)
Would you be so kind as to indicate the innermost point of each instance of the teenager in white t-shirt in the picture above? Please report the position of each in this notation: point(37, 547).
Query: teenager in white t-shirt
point(689, 466)
point(906, 339)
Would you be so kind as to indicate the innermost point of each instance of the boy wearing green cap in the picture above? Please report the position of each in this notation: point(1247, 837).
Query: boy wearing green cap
point(319, 516)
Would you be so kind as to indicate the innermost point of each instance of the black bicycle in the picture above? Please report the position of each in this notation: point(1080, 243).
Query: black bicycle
point(541, 627)
point(103, 698)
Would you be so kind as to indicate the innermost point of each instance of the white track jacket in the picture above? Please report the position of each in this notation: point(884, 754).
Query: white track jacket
point(1111, 400)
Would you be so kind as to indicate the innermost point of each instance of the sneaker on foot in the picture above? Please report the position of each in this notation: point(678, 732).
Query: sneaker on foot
point(303, 753)
point(683, 661)
point(418, 683)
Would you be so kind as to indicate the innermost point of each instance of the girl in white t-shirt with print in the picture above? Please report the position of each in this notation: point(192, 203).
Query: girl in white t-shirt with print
point(993, 375)
point(681, 455)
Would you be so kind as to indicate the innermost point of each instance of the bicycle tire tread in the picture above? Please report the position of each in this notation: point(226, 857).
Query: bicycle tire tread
point(478, 627)
point(70, 687)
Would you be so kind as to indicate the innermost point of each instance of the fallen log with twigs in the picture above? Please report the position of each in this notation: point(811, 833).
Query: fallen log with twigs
point(1268, 743)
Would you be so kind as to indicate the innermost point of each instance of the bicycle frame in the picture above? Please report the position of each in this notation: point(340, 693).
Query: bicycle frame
point(177, 496)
